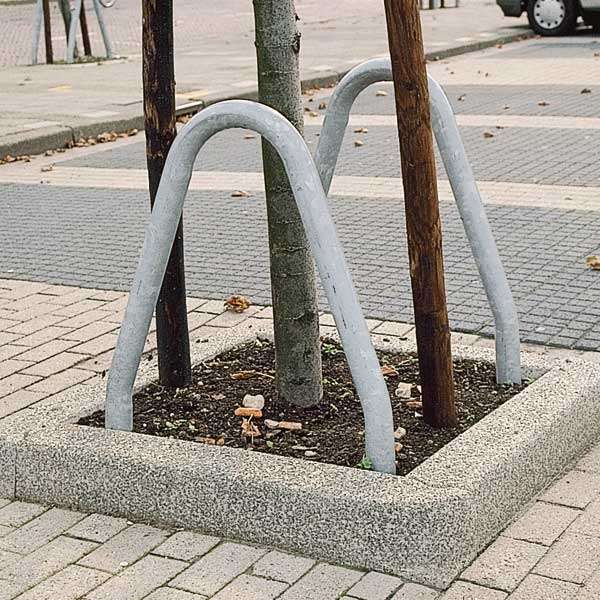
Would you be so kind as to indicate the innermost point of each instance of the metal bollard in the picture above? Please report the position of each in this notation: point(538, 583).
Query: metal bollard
point(465, 190)
point(326, 249)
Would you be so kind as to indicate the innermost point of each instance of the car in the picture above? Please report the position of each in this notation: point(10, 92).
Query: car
point(554, 17)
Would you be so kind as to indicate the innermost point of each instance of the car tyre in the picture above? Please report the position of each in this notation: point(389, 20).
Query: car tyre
point(552, 17)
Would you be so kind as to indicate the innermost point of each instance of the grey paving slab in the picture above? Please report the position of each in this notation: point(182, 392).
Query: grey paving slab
point(525, 154)
point(542, 523)
point(563, 100)
point(535, 587)
point(573, 558)
point(217, 568)
point(324, 582)
point(504, 564)
point(282, 566)
point(91, 238)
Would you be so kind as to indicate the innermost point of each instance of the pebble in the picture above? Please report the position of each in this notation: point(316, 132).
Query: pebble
point(257, 401)
point(403, 390)
point(399, 433)
point(310, 454)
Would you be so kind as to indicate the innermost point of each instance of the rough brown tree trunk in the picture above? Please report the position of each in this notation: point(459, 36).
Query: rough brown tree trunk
point(296, 318)
point(47, 32)
point(159, 115)
point(422, 211)
point(85, 34)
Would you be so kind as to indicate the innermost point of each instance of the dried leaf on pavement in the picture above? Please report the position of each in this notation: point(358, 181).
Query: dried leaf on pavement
point(240, 194)
point(381, 93)
point(593, 262)
point(240, 375)
point(488, 134)
point(386, 371)
point(237, 303)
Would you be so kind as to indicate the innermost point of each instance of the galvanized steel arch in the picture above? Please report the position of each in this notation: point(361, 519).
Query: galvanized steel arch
point(326, 249)
point(464, 188)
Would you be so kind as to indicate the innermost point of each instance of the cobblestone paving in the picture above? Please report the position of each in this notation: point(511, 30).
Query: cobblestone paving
point(100, 237)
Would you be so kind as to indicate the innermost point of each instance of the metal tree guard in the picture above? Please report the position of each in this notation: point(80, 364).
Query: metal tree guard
point(326, 249)
point(75, 17)
point(465, 190)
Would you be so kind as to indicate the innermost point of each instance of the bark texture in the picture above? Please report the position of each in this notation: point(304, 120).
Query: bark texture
point(159, 114)
point(47, 32)
point(296, 318)
point(422, 211)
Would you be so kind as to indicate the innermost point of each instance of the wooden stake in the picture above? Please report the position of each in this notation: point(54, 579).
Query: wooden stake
point(48, 32)
point(85, 34)
point(159, 114)
point(422, 211)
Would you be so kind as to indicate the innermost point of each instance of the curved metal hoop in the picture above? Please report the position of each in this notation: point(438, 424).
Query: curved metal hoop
point(326, 249)
point(465, 190)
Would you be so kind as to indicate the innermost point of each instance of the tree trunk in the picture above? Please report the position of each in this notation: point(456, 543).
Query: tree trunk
point(159, 114)
point(47, 32)
point(295, 311)
point(85, 34)
point(422, 211)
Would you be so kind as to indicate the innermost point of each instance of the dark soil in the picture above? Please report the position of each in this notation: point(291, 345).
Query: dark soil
point(331, 432)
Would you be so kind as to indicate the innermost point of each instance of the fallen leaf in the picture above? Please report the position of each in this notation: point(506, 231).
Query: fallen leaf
point(313, 113)
point(586, 91)
point(132, 132)
point(249, 136)
point(505, 107)
point(488, 134)
point(246, 411)
point(241, 375)
point(358, 143)
point(240, 194)
point(543, 103)
point(381, 93)
point(249, 429)
point(322, 105)
point(361, 130)
point(593, 262)
point(206, 440)
point(237, 303)
point(462, 97)
point(387, 370)
point(397, 446)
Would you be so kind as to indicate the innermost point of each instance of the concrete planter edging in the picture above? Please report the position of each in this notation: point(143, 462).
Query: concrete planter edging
point(424, 527)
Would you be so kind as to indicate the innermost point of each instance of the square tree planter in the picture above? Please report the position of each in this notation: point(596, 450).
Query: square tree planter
point(425, 527)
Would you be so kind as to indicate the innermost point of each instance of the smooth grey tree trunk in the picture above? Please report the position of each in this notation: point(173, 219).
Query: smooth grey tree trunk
point(295, 312)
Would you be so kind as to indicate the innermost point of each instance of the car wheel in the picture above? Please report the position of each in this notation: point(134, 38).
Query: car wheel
point(552, 17)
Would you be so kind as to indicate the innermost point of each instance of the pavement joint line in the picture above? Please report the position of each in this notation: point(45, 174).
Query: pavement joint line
point(474, 120)
point(561, 197)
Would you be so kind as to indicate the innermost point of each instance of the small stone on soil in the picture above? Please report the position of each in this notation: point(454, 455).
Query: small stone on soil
point(257, 401)
point(403, 390)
